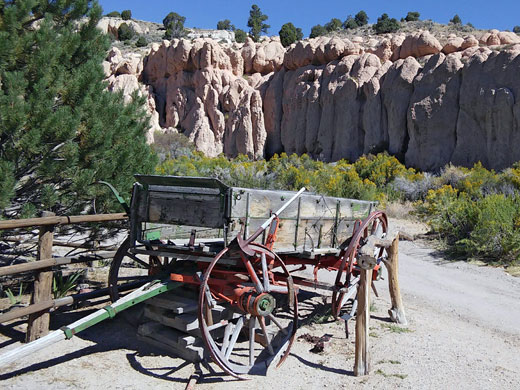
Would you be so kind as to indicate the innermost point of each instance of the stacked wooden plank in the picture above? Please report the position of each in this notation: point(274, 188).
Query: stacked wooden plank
point(172, 324)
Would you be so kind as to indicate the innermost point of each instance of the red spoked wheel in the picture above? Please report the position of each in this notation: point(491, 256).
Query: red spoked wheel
point(375, 224)
point(264, 310)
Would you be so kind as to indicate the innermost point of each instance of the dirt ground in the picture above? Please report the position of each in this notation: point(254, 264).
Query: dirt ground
point(464, 328)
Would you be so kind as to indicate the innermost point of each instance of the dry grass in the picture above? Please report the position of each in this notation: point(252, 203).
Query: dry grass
point(401, 210)
point(513, 270)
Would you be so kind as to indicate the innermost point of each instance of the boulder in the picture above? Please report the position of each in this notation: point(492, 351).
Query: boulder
point(419, 44)
point(469, 41)
point(268, 57)
point(454, 44)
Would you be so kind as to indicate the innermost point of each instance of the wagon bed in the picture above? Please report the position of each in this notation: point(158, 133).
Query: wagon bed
point(313, 224)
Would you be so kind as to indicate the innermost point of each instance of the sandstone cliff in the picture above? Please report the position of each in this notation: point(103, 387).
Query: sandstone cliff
point(334, 98)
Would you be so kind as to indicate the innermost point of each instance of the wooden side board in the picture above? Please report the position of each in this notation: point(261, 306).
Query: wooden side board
point(313, 221)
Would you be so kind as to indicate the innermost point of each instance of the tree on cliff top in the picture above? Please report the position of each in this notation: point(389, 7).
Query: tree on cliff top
point(334, 25)
point(60, 129)
point(256, 23)
point(240, 35)
point(225, 25)
point(456, 20)
point(317, 31)
point(412, 16)
point(290, 34)
point(386, 25)
point(361, 18)
point(174, 25)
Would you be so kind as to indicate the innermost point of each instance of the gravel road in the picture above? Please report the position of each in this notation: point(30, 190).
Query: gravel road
point(464, 328)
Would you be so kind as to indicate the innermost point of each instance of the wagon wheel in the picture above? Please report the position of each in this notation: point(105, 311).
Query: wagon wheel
point(263, 328)
point(128, 271)
point(375, 224)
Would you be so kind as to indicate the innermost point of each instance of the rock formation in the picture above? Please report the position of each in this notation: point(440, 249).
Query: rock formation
point(334, 98)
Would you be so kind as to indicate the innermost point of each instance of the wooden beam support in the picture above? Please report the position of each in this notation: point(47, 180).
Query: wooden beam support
point(396, 313)
point(38, 324)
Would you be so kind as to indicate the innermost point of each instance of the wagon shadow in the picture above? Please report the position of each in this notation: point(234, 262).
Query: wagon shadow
point(322, 367)
point(115, 334)
point(120, 333)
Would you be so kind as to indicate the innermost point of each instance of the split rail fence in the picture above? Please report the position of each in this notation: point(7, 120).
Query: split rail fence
point(42, 301)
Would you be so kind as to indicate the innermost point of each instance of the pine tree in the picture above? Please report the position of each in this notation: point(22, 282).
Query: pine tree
point(290, 34)
point(60, 129)
point(256, 23)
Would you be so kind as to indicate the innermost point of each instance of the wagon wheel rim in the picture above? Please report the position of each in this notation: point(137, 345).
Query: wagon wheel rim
point(118, 283)
point(227, 353)
point(375, 224)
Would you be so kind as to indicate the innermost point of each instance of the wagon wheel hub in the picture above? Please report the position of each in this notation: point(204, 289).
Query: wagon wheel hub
point(257, 304)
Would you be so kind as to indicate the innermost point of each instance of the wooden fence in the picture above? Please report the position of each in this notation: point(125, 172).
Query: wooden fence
point(41, 300)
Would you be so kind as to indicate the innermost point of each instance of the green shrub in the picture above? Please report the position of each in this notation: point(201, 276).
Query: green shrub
point(516, 29)
point(174, 25)
point(290, 34)
point(477, 212)
point(317, 31)
point(361, 18)
point(334, 25)
point(240, 35)
point(386, 25)
point(125, 32)
point(456, 20)
point(114, 14)
point(412, 16)
point(225, 25)
point(141, 42)
point(126, 14)
point(350, 23)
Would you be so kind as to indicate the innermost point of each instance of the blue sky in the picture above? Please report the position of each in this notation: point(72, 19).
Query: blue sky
point(484, 14)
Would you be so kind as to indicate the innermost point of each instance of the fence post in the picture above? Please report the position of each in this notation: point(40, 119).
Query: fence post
point(366, 262)
point(392, 265)
point(362, 357)
point(38, 324)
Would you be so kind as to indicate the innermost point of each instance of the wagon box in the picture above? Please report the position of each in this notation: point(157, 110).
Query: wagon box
point(312, 222)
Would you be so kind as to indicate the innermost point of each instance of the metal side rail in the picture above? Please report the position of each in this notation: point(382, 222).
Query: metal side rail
point(145, 292)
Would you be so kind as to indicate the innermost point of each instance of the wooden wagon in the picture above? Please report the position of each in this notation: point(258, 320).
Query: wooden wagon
point(240, 249)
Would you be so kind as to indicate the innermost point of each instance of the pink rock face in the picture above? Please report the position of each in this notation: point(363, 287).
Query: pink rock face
point(330, 99)
point(384, 50)
point(268, 57)
point(493, 39)
point(248, 53)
